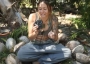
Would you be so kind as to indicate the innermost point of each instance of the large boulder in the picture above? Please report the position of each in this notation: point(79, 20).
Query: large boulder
point(24, 39)
point(12, 59)
point(10, 43)
point(72, 44)
point(62, 38)
point(2, 47)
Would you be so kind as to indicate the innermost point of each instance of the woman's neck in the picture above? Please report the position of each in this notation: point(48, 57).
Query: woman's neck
point(45, 20)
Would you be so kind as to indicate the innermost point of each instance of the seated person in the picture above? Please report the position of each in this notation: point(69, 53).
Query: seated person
point(43, 34)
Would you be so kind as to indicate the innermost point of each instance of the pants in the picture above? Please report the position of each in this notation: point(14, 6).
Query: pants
point(48, 53)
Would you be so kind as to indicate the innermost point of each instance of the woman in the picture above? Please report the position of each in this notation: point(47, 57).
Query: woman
point(42, 46)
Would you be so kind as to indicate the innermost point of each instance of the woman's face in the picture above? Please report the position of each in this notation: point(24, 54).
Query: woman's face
point(43, 10)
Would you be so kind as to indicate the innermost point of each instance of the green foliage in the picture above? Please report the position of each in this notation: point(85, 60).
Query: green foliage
point(27, 3)
point(79, 23)
point(82, 23)
point(80, 27)
point(73, 35)
point(19, 32)
point(84, 10)
point(3, 56)
point(82, 34)
point(14, 34)
point(67, 61)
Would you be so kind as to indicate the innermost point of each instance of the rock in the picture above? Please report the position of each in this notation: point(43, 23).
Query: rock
point(83, 58)
point(10, 43)
point(5, 30)
point(62, 38)
point(12, 59)
point(78, 49)
point(2, 47)
point(24, 39)
point(72, 44)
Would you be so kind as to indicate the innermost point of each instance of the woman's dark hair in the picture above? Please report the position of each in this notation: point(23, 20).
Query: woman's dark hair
point(47, 3)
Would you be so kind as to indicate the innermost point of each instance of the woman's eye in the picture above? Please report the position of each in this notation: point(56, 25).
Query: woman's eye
point(45, 9)
point(40, 9)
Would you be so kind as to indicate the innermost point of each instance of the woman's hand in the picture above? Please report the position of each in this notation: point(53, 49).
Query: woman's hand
point(51, 35)
point(35, 29)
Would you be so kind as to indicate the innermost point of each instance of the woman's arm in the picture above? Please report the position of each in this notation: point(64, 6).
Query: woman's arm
point(32, 30)
point(54, 33)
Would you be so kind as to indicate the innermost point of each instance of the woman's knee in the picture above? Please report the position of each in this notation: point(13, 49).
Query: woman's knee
point(68, 53)
point(20, 55)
